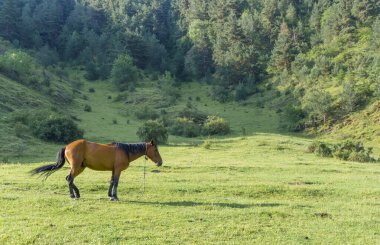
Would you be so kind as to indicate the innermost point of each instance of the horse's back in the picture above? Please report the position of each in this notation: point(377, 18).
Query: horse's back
point(93, 155)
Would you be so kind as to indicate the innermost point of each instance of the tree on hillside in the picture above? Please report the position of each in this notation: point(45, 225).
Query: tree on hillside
point(283, 52)
point(318, 105)
point(9, 20)
point(365, 10)
point(124, 73)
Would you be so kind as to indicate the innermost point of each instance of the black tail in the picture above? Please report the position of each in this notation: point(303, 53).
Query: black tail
point(47, 170)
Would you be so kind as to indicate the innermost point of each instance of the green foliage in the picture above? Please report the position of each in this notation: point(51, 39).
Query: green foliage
point(124, 72)
point(241, 92)
point(348, 151)
point(17, 64)
point(320, 149)
point(194, 115)
point(318, 105)
point(153, 129)
point(294, 118)
point(220, 93)
point(87, 108)
point(146, 113)
point(55, 128)
point(186, 127)
point(215, 125)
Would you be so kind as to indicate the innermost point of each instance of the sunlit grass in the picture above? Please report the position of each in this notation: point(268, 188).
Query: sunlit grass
point(261, 189)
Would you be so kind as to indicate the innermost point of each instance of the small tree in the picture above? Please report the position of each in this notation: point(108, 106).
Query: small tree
point(215, 125)
point(153, 129)
point(56, 128)
point(318, 104)
point(124, 72)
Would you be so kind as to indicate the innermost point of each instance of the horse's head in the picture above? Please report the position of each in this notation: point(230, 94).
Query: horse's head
point(152, 153)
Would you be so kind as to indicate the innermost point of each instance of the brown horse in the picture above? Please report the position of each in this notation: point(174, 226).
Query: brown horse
point(113, 157)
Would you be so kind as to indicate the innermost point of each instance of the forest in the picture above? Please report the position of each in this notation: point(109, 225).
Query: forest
point(321, 57)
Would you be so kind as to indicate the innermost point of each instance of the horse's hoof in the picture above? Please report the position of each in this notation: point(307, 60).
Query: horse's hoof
point(114, 199)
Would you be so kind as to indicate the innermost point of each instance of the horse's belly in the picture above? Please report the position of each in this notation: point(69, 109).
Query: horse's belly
point(98, 165)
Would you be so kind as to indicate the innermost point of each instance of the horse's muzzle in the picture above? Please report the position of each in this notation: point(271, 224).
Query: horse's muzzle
point(158, 164)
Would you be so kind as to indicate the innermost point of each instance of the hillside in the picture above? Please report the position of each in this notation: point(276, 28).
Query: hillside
point(104, 69)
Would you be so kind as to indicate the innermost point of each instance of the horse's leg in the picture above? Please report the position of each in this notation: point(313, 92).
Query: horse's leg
point(111, 184)
point(70, 179)
point(115, 184)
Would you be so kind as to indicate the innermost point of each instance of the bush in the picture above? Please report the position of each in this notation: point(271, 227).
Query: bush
point(124, 72)
point(57, 129)
point(215, 125)
point(241, 92)
point(321, 149)
point(153, 129)
point(196, 116)
point(87, 108)
point(16, 63)
point(220, 94)
point(353, 151)
point(146, 113)
point(183, 126)
point(348, 151)
point(207, 144)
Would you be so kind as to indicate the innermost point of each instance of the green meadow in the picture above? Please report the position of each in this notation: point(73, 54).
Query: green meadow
point(260, 189)
point(256, 185)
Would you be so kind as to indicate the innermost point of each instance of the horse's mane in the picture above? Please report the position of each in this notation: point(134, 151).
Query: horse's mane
point(131, 148)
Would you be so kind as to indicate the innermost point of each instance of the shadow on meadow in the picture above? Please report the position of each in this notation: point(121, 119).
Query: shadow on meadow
point(192, 204)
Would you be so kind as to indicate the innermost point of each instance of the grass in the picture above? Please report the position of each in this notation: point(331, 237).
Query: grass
point(259, 189)
point(256, 186)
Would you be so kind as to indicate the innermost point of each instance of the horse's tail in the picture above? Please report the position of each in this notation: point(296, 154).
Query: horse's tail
point(47, 170)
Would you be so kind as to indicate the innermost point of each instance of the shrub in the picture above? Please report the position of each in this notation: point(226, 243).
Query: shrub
point(322, 149)
point(124, 72)
point(185, 127)
point(146, 113)
point(207, 144)
point(220, 94)
point(215, 125)
point(87, 108)
point(57, 129)
point(153, 129)
point(348, 151)
point(16, 64)
point(91, 90)
point(196, 116)
point(241, 92)
point(353, 151)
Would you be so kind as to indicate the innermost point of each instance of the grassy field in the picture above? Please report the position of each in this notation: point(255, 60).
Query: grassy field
point(256, 185)
point(260, 189)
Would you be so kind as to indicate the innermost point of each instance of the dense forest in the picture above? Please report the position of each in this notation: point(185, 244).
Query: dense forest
point(322, 57)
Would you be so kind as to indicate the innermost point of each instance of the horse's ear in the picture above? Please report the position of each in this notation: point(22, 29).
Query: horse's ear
point(152, 142)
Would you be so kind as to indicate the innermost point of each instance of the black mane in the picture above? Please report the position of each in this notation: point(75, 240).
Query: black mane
point(131, 148)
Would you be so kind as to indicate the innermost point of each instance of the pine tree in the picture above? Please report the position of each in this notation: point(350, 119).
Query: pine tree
point(9, 20)
point(283, 51)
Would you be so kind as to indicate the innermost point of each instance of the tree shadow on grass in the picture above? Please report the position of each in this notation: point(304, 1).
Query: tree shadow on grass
point(194, 204)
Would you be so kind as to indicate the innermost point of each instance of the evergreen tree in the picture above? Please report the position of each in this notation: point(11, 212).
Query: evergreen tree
point(9, 20)
point(283, 51)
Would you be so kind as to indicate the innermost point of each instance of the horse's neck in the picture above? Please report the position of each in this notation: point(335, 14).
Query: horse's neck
point(134, 156)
